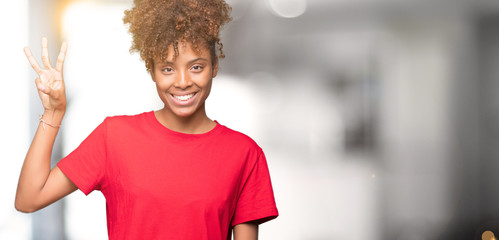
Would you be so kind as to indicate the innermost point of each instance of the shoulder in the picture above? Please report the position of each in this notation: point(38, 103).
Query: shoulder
point(125, 124)
point(238, 139)
point(119, 120)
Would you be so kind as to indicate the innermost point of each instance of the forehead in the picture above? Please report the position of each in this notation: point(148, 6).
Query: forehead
point(186, 51)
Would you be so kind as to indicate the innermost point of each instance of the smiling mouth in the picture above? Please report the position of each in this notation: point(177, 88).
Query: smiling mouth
point(184, 97)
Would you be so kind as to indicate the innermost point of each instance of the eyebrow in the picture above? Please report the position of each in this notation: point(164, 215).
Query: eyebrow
point(198, 59)
point(190, 62)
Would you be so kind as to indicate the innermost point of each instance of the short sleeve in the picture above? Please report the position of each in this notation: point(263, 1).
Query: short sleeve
point(256, 201)
point(85, 165)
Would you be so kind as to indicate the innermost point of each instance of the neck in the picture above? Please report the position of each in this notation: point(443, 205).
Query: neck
point(194, 124)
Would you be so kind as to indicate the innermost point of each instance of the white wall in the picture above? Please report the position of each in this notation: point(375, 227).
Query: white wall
point(14, 119)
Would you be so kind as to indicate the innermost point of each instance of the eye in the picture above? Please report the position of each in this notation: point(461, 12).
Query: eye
point(197, 68)
point(167, 70)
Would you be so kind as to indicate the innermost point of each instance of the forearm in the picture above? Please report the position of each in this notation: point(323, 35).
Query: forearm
point(246, 231)
point(36, 167)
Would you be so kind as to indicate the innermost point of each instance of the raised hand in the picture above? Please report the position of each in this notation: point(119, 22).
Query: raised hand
point(50, 83)
point(39, 185)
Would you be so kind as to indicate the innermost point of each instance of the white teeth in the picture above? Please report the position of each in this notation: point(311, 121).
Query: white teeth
point(184, 98)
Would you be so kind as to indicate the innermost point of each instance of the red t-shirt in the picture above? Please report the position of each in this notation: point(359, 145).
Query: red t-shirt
point(161, 184)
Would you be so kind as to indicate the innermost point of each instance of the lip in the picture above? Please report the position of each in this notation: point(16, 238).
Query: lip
point(186, 102)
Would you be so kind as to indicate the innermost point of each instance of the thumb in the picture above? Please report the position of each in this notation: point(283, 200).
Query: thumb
point(41, 87)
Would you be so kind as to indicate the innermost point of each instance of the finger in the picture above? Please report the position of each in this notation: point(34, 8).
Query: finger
point(42, 87)
point(32, 60)
point(45, 54)
point(60, 59)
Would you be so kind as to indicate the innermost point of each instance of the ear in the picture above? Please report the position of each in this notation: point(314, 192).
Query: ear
point(215, 68)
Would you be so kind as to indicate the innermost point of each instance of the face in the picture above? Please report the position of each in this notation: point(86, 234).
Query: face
point(184, 81)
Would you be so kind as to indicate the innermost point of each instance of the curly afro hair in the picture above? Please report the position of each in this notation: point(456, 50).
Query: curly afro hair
point(157, 24)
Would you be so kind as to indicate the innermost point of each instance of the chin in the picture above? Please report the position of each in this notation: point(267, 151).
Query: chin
point(184, 113)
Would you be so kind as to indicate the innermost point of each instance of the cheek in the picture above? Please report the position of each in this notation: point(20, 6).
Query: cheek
point(158, 86)
point(207, 90)
point(208, 87)
point(162, 90)
point(206, 82)
point(162, 83)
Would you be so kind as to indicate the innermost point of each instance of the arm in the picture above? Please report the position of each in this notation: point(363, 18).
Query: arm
point(38, 185)
point(246, 231)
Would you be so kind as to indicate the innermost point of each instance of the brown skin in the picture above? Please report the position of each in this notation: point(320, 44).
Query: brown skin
point(246, 231)
point(38, 185)
point(189, 72)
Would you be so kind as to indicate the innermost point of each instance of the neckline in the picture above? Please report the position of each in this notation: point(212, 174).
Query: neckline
point(168, 131)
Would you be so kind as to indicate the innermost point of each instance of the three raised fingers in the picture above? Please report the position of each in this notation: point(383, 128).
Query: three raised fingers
point(45, 57)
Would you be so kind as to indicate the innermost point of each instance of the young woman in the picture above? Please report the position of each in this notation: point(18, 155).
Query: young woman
point(168, 174)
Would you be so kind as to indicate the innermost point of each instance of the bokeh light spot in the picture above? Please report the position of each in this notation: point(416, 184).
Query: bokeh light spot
point(488, 235)
point(288, 8)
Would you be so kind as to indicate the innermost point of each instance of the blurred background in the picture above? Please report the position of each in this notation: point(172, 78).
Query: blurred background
point(379, 118)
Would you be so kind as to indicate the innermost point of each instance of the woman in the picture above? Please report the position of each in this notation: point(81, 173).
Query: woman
point(168, 174)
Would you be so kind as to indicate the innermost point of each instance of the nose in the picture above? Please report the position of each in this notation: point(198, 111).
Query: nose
point(182, 80)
